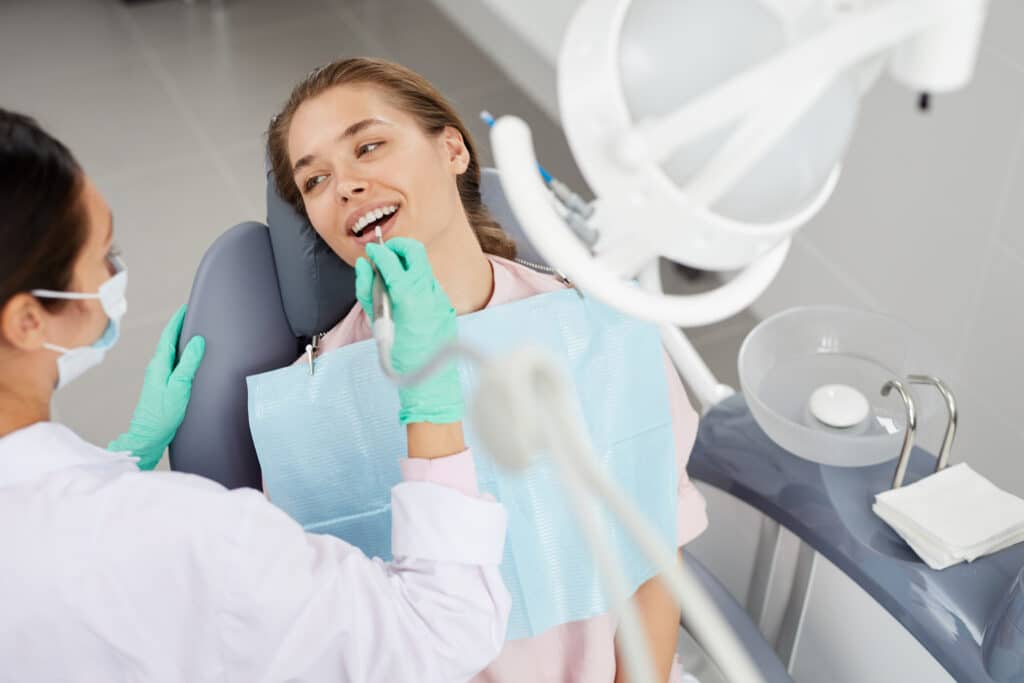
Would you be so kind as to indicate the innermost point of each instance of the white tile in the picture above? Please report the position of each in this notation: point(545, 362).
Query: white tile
point(522, 55)
point(1011, 221)
point(246, 162)
point(232, 88)
point(989, 442)
point(45, 42)
point(1003, 30)
point(806, 279)
point(994, 364)
point(198, 26)
point(914, 214)
point(164, 221)
point(114, 121)
point(416, 34)
point(722, 356)
point(735, 328)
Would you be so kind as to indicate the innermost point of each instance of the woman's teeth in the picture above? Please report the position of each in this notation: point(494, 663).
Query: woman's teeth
point(371, 217)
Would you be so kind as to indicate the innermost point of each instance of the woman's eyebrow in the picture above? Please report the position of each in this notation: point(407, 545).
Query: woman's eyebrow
point(354, 129)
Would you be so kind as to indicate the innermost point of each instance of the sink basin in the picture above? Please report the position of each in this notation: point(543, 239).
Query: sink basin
point(790, 355)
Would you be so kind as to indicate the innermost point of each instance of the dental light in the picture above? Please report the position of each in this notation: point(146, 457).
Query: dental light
point(711, 130)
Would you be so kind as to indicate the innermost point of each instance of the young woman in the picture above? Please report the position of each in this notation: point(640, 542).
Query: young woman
point(363, 143)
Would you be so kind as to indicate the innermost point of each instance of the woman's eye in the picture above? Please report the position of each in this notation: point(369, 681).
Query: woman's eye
point(367, 148)
point(313, 181)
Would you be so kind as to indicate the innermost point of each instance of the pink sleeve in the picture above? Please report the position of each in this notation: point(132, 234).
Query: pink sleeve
point(453, 471)
point(693, 516)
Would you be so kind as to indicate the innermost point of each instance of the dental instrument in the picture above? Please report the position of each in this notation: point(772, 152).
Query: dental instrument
point(383, 325)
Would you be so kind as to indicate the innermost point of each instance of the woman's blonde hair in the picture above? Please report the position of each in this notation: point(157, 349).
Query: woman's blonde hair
point(414, 95)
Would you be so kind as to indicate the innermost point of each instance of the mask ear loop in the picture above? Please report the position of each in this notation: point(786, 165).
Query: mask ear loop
point(119, 270)
point(55, 348)
point(71, 296)
point(110, 295)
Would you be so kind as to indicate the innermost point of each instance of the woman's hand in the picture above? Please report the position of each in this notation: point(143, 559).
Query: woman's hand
point(424, 321)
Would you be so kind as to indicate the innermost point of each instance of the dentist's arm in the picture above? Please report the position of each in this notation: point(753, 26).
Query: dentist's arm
point(300, 606)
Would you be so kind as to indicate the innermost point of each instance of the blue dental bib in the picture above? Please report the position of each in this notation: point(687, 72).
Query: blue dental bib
point(330, 443)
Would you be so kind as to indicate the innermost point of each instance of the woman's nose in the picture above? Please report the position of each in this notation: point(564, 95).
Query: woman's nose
point(350, 189)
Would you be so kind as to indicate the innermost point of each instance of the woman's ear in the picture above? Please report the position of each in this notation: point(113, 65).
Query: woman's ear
point(22, 323)
point(457, 154)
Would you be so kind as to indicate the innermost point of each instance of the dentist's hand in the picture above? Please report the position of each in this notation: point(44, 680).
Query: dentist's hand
point(166, 390)
point(424, 323)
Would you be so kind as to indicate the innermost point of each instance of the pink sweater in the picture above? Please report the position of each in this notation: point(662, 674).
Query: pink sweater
point(581, 651)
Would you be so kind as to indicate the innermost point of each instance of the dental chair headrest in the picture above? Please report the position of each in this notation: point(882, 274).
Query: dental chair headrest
point(317, 287)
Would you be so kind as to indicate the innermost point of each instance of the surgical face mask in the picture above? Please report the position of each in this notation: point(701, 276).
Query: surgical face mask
point(73, 363)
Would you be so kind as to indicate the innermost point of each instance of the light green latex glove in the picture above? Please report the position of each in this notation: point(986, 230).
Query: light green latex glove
point(424, 323)
point(165, 393)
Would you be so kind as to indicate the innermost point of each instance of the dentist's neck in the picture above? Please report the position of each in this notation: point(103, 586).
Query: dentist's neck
point(24, 399)
point(462, 268)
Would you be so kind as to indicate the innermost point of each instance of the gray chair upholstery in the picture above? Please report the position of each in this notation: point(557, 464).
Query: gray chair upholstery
point(260, 293)
point(317, 287)
point(236, 304)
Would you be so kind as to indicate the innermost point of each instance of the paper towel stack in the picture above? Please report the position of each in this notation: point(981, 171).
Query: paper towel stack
point(952, 516)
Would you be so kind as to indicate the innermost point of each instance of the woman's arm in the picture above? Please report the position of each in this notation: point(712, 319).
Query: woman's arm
point(429, 440)
point(658, 611)
point(659, 616)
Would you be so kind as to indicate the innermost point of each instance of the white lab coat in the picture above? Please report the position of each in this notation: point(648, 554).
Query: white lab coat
point(111, 574)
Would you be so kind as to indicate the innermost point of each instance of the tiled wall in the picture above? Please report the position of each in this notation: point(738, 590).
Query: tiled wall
point(927, 224)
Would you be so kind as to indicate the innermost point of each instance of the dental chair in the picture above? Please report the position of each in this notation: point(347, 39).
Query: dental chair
point(260, 295)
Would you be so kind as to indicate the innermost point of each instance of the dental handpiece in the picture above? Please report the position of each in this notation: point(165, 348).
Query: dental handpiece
point(383, 324)
point(381, 302)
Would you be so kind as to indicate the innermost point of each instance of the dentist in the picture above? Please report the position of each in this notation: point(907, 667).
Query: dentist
point(112, 573)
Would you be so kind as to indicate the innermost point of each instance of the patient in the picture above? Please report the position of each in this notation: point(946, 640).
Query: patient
point(365, 143)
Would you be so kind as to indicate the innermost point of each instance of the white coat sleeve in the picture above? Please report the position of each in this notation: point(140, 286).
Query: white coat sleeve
point(301, 606)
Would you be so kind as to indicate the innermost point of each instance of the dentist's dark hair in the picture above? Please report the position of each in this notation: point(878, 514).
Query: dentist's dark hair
point(42, 222)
